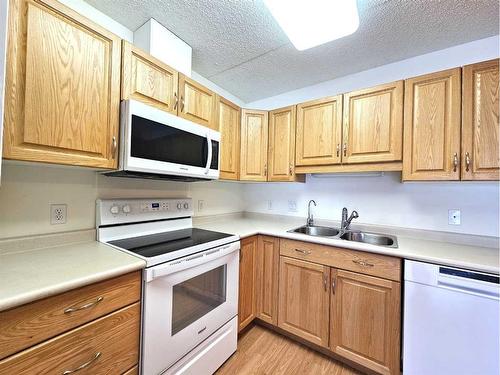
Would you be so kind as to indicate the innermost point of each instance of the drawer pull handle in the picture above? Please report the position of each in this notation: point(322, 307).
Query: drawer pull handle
point(83, 307)
point(86, 364)
point(362, 263)
point(305, 252)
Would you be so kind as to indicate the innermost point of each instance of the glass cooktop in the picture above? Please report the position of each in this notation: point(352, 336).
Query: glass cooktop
point(167, 242)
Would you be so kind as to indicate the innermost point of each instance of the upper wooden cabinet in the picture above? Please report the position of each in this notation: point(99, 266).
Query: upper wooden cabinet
point(267, 267)
point(147, 79)
point(247, 282)
point(254, 134)
point(281, 158)
point(319, 132)
point(365, 320)
point(229, 127)
point(304, 296)
point(373, 124)
point(432, 127)
point(480, 121)
point(197, 103)
point(62, 87)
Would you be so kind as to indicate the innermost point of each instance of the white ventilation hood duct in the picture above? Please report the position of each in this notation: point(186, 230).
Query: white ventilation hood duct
point(159, 42)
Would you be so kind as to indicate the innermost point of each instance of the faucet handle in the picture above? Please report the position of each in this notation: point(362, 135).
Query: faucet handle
point(354, 214)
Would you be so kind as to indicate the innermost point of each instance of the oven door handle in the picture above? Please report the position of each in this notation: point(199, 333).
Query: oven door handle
point(190, 261)
point(209, 153)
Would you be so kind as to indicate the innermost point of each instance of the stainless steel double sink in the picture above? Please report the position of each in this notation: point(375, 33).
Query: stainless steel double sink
point(349, 235)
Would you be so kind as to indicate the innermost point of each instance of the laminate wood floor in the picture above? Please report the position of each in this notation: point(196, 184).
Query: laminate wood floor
point(262, 351)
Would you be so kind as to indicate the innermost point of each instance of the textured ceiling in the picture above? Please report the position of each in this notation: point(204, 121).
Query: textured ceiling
point(239, 46)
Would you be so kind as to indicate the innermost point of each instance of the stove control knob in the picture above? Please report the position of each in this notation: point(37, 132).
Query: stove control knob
point(186, 205)
point(114, 209)
point(126, 209)
point(179, 206)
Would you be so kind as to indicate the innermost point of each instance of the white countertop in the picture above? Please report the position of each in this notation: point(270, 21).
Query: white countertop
point(29, 275)
point(484, 259)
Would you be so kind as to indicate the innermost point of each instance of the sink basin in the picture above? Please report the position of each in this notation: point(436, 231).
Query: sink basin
point(313, 230)
point(370, 238)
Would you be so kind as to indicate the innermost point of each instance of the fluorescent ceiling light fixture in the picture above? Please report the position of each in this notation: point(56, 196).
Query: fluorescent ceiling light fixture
point(309, 23)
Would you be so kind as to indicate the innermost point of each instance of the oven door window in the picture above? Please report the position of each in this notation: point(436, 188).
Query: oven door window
point(160, 142)
point(198, 296)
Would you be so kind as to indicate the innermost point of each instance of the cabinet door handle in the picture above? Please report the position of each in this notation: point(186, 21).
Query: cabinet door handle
point(182, 103)
point(291, 169)
point(362, 263)
point(467, 162)
point(333, 286)
point(114, 147)
point(305, 252)
point(83, 307)
point(86, 364)
point(325, 282)
point(455, 162)
point(345, 149)
point(176, 102)
point(265, 169)
point(338, 149)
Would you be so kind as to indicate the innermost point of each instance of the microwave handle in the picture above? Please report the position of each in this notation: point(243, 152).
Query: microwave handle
point(209, 156)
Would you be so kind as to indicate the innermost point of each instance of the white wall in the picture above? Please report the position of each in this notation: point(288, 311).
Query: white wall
point(463, 54)
point(28, 190)
point(385, 201)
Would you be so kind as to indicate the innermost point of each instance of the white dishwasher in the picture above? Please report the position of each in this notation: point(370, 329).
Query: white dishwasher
point(451, 321)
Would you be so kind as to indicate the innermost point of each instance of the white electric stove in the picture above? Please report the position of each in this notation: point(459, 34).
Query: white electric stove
point(190, 284)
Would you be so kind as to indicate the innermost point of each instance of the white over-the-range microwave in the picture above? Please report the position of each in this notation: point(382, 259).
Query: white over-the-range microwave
point(158, 145)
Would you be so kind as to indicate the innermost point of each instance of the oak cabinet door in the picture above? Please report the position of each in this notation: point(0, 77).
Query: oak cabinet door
point(267, 265)
point(254, 132)
point(480, 122)
point(432, 126)
point(229, 127)
point(319, 132)
point(148, 80)
point(247, 282)
point(365, 320)
point(62, 87)
point(373, 124)
point(304, 292)
point(282, 144)
point(197, 103)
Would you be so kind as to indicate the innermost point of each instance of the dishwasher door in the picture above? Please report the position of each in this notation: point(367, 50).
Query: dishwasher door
point(451, 321)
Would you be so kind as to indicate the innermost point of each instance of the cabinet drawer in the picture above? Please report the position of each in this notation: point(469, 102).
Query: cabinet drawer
point(352, 260)
point(30, 324)
point(109, 345)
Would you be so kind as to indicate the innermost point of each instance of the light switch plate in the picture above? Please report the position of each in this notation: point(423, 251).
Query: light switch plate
point(292, 206)
point(269, 205)
point(454, 217)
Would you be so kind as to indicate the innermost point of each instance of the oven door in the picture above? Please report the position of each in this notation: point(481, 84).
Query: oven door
point(184, 302)
point(157, 142)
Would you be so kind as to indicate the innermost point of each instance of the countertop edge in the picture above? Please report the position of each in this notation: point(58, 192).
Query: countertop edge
point(50, 291)
point(376, 250)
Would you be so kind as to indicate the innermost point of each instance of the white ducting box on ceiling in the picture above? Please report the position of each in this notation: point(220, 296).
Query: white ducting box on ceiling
point(159, 42)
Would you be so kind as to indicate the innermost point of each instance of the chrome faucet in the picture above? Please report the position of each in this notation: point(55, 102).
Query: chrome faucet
point(310, 218)
point(346, 222)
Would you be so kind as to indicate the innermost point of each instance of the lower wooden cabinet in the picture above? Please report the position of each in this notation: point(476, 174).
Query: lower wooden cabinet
point(96, 327)
point(246, 299)
point(304, 299)
point(365, 320)
point(267, 266)
point(346, 301)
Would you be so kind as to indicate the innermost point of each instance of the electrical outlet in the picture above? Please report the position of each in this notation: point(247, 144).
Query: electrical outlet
point(201, 205)
point(58, 213)
point(269, 205)
point(292, 206)
point(454, 217)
